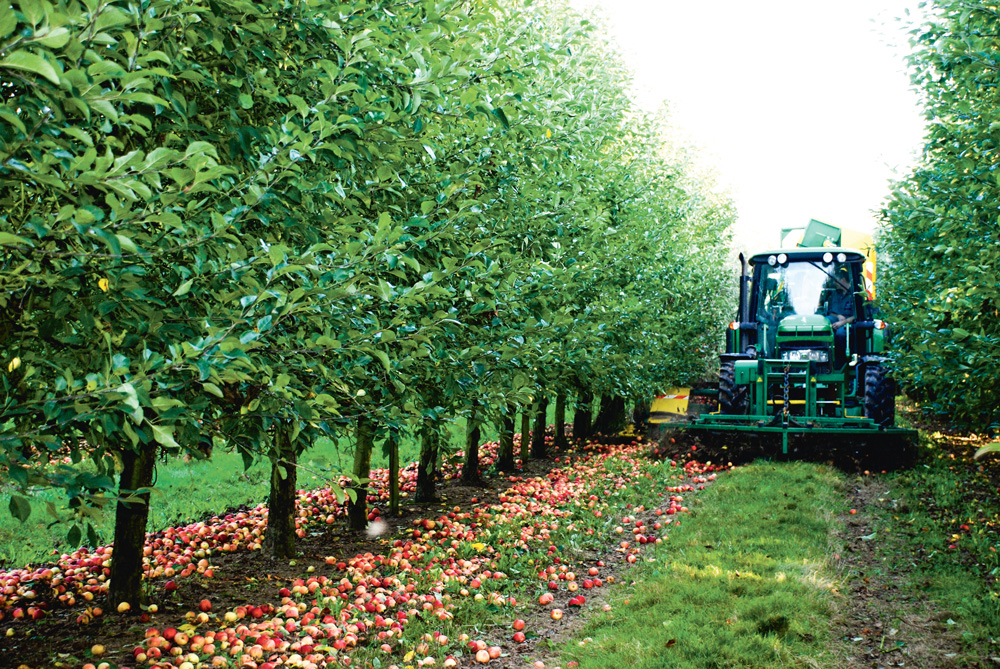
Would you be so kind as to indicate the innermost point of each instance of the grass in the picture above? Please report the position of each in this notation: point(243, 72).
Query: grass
point(745, 583)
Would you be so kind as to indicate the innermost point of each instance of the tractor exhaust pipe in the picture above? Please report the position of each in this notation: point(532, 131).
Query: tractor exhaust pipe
point(744, 314)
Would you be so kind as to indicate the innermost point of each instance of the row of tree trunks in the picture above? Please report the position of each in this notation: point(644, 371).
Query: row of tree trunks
point(133, 509)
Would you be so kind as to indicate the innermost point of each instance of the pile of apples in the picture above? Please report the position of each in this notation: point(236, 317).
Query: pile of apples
point(448, 564)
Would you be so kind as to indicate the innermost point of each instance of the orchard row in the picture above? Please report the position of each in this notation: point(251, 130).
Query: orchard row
point(490, 559)
point(250, 225)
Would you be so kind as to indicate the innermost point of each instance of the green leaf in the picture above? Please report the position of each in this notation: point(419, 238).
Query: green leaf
point(164, 436)
point(183, 288)
point(987, 449)
point(213, 389)
point(502, 115)
point(20, 508)
point(92, 539)
point(74, 536)
point(55, 38)
point(29, 62)
point(131, 401)
point(8, 21)
point(245, 100)
point(7, 239)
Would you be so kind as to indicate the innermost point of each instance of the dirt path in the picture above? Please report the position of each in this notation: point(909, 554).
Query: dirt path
point(881, 621)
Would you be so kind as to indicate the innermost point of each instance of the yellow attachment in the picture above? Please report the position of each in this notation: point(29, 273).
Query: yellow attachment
point(672, 401)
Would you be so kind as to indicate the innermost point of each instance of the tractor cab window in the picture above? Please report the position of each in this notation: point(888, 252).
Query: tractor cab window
point(803, 287)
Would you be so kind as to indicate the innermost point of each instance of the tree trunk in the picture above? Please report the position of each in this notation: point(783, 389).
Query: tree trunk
point(505, 452)
point(640, 414)
point(611, 417)
point(393, 447)
point(428, 459)
point(560, 418)
point(525, 434)
point(470, 470)
point(130, 526)
point(357, 510)
point(539, 449)
point(582, 415)
point(280, 536)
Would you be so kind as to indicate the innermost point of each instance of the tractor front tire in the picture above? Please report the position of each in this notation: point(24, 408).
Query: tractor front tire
point(732, 397)
point(880, 396)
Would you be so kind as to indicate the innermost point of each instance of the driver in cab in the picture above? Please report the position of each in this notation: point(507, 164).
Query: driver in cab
point(840, 309)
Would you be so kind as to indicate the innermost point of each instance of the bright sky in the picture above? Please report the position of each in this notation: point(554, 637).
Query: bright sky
point(803, 108)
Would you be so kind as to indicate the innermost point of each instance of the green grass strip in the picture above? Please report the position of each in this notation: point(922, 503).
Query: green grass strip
point(743, 583)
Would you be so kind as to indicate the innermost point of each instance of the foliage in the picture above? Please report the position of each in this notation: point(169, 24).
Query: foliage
point(239, 220)
point(941, 285)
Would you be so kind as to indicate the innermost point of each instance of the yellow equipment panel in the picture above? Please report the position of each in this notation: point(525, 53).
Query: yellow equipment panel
point(674, 401)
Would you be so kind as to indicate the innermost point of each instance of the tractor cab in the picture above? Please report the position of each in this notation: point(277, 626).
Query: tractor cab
point(802, 305)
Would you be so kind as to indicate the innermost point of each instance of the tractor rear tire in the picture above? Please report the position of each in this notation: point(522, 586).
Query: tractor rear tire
point(732, 397)
point(880, 395)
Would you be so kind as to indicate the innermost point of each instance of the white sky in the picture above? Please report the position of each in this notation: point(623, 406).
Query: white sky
point(803, 107)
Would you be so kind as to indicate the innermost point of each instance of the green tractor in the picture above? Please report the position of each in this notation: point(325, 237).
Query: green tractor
point(806, 355)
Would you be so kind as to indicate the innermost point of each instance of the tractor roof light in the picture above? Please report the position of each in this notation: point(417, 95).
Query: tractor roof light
point(772, 260)
point(841, 257)
point(782, 258)
point(828, 258)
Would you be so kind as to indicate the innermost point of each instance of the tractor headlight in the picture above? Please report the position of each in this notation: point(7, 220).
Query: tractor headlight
point(803, 355)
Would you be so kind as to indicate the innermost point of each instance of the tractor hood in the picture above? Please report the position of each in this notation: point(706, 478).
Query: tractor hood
point(809, 326)
point(804, 331)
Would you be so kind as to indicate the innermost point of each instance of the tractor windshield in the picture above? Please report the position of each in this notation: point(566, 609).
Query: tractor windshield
point(802, 288)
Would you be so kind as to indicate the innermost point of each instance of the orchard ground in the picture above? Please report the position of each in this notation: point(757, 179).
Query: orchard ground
point(773, 564)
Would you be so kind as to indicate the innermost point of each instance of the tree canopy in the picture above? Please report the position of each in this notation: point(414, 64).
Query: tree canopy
point(256, 223)
point(940, 284)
